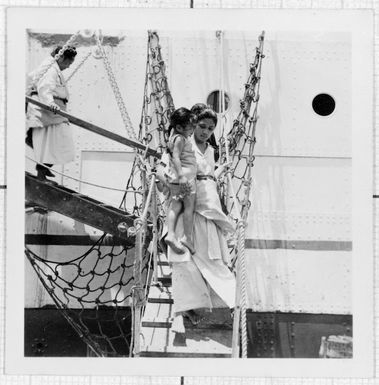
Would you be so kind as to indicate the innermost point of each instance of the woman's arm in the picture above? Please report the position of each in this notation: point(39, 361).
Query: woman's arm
point(222, 168)
point(46, 87)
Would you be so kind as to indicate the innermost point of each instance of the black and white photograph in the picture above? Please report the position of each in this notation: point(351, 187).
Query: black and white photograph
point(193, 186)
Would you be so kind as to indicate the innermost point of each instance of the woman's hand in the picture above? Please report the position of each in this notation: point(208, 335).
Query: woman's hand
point(222, 169)
point(183, 180)
point(54, 107)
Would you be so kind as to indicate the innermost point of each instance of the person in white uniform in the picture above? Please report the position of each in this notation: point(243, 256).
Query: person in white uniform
point(203, 280)
point(49, 134)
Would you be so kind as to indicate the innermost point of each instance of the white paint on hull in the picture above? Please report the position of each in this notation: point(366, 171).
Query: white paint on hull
point(302, 174)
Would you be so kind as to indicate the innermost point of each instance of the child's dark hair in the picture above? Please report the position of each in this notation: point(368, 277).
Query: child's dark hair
point(182, 116)
point(202, 111)
point(68, 53)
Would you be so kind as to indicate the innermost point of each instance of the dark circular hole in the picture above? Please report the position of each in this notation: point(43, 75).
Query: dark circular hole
point(323, 104)
point(213, 101)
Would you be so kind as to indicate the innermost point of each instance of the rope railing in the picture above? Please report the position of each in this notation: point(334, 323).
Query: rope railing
point(156, 110)
point(242, 139)
point(81, 180)
point(138, 293)
point(239, 320)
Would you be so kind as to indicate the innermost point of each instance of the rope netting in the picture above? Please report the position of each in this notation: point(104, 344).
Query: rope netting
point(237, 149)
point(101, 291)
point(241, 142)
point(93, 292)
point(157, 108)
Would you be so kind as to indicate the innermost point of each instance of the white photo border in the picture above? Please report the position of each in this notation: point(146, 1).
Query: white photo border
point(359, 23)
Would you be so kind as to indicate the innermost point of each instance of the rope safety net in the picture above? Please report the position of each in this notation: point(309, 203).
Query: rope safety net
point(103, 291)
point(237, 149)
point(99, 291)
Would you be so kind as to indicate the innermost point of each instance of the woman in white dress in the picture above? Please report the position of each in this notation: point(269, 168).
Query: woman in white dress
point(203, 280)
point(50, 134)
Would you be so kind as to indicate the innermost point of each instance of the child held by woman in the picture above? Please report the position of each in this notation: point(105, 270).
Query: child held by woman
point(181, 178)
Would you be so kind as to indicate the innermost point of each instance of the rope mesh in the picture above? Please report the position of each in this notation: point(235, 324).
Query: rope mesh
point(242, 140)
point(93, 292)
point(238, 146)
point(157, 108)
point(97, 292)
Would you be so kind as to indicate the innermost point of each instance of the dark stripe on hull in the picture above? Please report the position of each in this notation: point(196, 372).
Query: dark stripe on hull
point(265, 244)
point(70, 240)
point(298, 245)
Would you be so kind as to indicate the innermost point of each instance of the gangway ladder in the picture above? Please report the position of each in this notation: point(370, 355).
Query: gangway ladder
point(82, 208)
point(211, 338)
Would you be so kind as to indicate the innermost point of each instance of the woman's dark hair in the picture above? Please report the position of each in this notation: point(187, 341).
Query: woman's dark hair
point(198, 107)
point(182, 116)
point(202, 111)
point(68, 53)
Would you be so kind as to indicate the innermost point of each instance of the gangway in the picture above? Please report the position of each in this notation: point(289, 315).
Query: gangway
point(82, 208)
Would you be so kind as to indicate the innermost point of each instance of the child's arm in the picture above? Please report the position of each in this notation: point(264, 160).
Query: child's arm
point(177, 150)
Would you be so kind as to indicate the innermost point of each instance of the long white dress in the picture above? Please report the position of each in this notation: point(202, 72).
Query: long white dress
point(203, 280)
point(52, 134)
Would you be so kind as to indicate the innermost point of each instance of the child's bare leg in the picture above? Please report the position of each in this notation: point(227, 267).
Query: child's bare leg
point(189, 208)
point(172, 217)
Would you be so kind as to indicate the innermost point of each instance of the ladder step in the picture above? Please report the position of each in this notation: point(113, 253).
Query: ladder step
point(163, 259)
point(160, 294)
point(158, 322)
point(164, 270)
point(160, 300)
point(158, 310)
point(165, 281)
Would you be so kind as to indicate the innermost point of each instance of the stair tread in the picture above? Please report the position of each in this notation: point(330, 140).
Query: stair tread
point(157, 311)
point(164, 270)
point(160, 300)
point(159, 292)
point(165, 322)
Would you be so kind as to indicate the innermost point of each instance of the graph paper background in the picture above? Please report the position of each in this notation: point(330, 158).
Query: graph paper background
point(128, 380)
